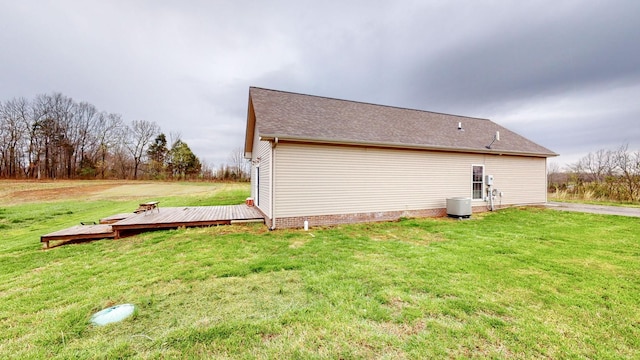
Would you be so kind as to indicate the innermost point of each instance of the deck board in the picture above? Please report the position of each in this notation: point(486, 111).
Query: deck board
point(187, 215)
point(166, 218)
point(115, 218)
point(80, 232)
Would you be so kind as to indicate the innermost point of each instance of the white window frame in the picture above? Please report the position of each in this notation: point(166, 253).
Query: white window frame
point(473, 181)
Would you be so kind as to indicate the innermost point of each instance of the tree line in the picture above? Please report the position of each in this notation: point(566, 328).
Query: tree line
point(54, 137)
point(607, 174)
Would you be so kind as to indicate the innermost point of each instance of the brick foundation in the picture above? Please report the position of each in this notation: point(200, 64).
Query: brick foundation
point(327, 220)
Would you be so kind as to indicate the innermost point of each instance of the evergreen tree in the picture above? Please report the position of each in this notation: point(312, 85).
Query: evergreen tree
point(183, 162)
point(157, 154)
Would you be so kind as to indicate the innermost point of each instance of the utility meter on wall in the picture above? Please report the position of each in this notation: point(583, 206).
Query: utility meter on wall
point(489, 180)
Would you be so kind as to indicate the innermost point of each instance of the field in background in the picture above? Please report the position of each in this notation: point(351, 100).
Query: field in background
point(24, 192)
point(518, 283)
point(588, 197)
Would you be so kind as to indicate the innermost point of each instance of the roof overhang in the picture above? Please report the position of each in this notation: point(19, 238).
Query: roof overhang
point(250, 131)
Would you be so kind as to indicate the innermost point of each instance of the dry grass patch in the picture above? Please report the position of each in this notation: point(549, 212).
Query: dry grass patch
point(25, 192)
point(17, 192)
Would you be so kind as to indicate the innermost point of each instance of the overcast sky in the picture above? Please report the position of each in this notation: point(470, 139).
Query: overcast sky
point(565, 74)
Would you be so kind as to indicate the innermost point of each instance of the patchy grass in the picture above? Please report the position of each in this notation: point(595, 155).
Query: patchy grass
point(519, 283)
point(25, 192)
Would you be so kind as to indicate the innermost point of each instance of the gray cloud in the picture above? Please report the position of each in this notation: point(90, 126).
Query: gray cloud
point(565, 74)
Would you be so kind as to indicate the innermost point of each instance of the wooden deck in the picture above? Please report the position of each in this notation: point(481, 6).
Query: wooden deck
point(80, 232)
point(118, 225)
point(174, 217)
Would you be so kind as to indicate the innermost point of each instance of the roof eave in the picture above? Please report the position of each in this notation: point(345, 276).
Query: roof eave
point(250, 130)
point(268, 137)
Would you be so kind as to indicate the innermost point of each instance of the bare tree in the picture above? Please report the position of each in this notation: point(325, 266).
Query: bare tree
point(628, 166)
point(53, 126)
point(553, 172)
point(140, 135)
point(3, 141)
point(12, 136)
point(85, 139)
point(109, 135)
point(174, 137)
point(208, 169)
point(52, 136)
point(122, 162)
point(239, 165)
point(598, 164)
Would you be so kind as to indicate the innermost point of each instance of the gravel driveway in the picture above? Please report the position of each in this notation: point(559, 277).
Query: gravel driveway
point(595, 209)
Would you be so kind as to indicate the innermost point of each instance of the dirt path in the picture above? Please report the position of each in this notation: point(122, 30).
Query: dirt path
point(595, 209)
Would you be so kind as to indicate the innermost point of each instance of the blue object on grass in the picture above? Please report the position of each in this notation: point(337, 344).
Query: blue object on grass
point(113, 314)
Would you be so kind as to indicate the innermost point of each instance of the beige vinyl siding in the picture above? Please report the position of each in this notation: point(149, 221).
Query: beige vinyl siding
point(327, 179)
point(262, 196)
point(523, 180)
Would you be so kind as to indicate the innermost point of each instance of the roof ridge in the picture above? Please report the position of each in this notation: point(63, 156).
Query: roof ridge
point(368, 103)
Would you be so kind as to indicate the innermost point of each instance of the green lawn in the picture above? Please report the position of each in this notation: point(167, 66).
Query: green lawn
point(519, 283)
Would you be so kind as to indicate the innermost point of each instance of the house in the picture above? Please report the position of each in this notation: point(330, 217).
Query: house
point(329, 161)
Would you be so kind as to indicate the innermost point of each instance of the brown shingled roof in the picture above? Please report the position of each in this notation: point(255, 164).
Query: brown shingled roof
point(298, 117)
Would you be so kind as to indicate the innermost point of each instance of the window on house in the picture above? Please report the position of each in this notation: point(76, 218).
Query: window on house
point(477, 182)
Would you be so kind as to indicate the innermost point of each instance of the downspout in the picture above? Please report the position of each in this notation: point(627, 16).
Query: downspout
point(273, 183)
